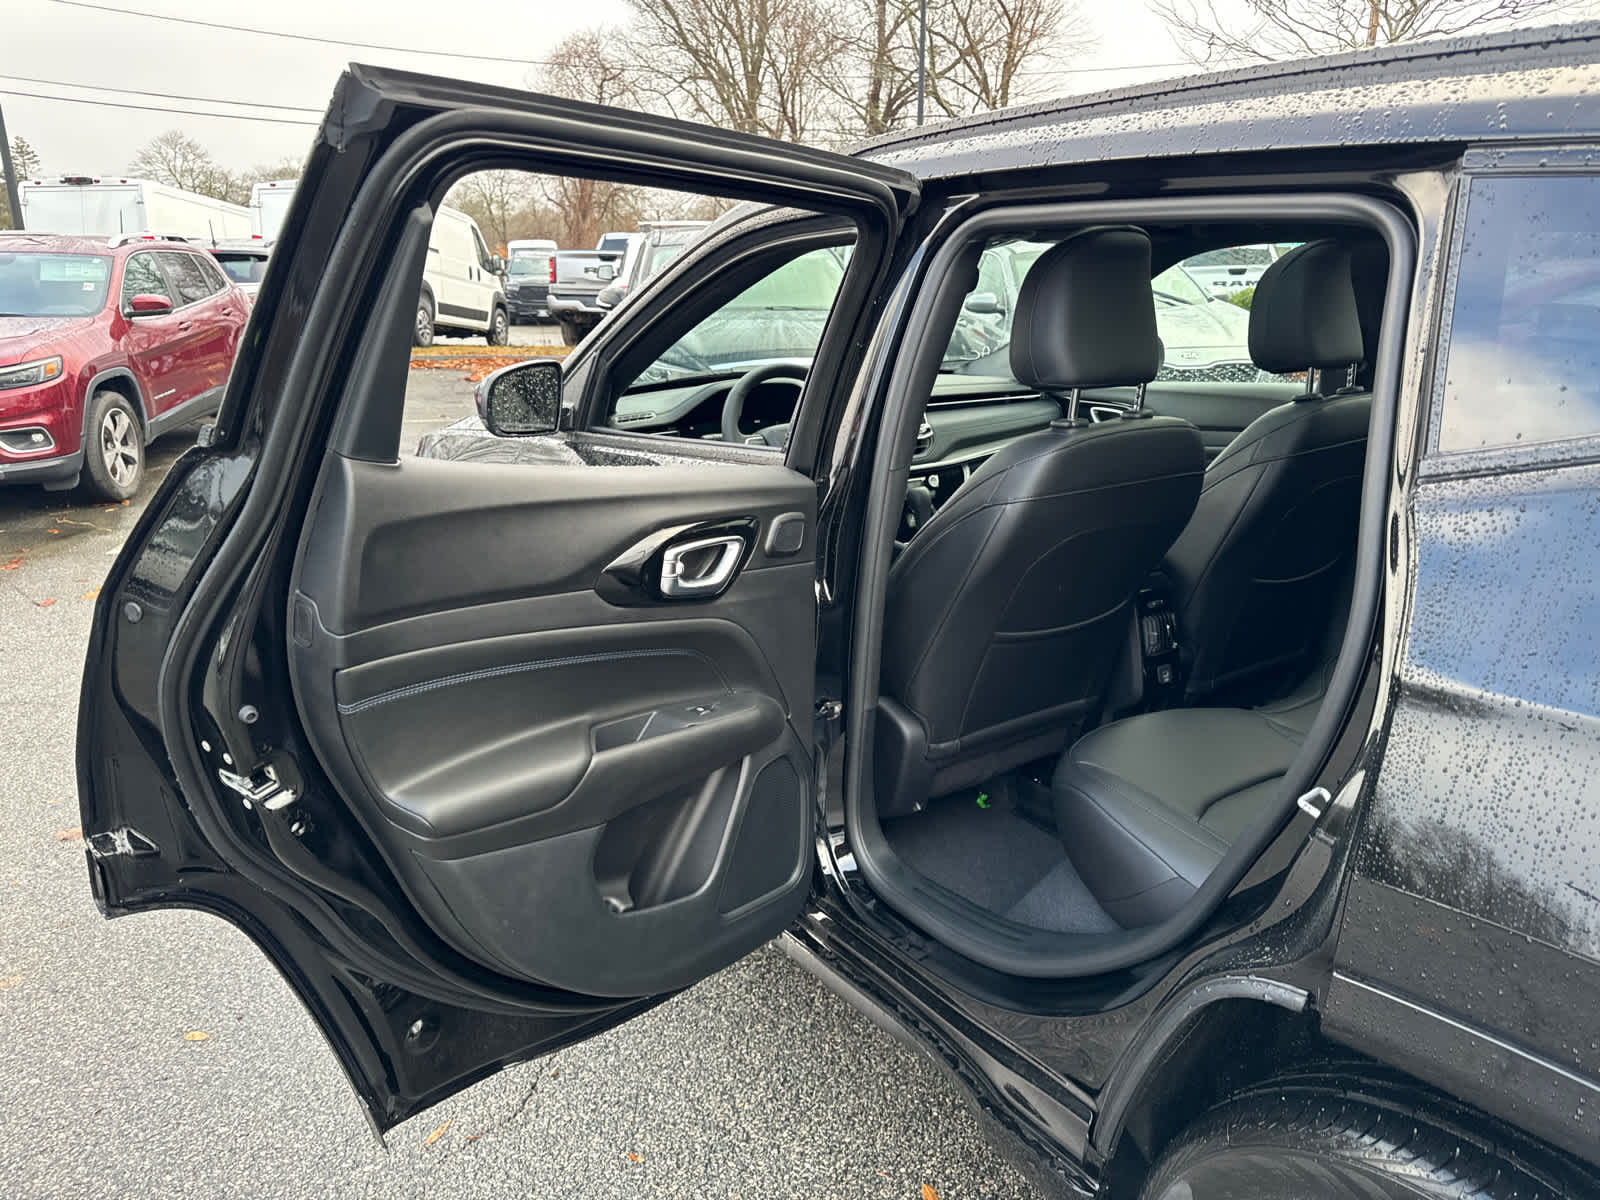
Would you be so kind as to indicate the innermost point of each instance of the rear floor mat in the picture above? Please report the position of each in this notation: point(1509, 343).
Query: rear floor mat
point(977, 845)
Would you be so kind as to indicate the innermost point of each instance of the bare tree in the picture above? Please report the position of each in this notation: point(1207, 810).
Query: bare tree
point(1267, 30)
point(982, 48)
point(754, 66)
point(588, 66)
point(176, 159)
point(493, 199)
point(981, 55)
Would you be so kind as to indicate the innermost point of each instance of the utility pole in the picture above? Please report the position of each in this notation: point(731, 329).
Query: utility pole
point(11, 174)
point(922, 56)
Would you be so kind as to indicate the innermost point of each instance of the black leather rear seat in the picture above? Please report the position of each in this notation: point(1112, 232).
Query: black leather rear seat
point(1148, 806)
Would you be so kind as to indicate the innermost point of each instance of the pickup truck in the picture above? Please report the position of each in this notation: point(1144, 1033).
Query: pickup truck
point(580, 277)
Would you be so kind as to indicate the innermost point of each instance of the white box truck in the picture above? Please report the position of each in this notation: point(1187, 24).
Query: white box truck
point(99, 206)
point(269, 204)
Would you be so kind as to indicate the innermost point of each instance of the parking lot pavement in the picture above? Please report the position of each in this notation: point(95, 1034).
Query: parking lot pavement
point(756, 1083)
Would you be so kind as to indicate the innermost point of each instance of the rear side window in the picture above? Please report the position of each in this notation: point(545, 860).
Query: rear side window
point(1523, 362)
point(142, 277)
point(188, 276)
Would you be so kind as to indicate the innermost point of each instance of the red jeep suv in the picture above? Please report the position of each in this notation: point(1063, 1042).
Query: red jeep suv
point(105, 344)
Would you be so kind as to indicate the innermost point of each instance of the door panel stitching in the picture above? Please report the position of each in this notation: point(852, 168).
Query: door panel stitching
point(512, 669)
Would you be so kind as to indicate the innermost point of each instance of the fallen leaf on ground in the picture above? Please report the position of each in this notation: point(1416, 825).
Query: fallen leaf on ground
point(46, 603)
point(196, 1035)
point(68, 835)
point(90, 594)
point(928, 1193)
point(472, 1137)
point(10, 981)
point(12, 564)
point(632, 1157)
point(436, 1134)
point(52, 531)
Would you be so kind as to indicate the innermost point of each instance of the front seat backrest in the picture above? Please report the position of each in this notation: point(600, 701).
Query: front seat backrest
point(1006, 613)
point(1257, 571)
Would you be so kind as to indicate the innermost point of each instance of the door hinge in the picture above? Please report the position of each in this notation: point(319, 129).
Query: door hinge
point(125, 842)
point(261, 786)
point(829, 710)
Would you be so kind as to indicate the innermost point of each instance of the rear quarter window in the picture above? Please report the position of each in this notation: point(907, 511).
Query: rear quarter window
point(1522, 363)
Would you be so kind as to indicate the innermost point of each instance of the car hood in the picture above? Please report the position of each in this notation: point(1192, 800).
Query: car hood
point(1199, 335)
point(20, 336)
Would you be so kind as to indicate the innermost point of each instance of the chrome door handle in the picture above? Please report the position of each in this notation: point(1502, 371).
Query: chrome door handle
point(701, 566)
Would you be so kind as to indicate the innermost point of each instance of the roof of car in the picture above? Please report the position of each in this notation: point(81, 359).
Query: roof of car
point(74, 243)
point(1528, 84)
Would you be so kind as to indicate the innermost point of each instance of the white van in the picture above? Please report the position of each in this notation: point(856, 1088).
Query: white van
point(462, 292)
point(103, 207)
point(269, 204)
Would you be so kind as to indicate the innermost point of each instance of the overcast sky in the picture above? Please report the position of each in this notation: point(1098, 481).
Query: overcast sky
point(65, 43)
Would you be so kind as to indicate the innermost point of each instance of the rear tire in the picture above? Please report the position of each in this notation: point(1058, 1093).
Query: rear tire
point(113, 450)
point(1315, 1144)
point(422, 334)
point(499, 332)
point(571, 335)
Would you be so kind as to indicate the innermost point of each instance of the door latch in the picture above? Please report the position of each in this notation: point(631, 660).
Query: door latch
point(260, 787)
point(1315, 802)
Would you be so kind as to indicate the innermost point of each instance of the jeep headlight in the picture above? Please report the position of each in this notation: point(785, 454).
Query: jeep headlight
point(40, 370)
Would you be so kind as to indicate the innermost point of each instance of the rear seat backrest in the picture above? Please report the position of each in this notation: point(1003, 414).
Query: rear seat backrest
point(1254, 570)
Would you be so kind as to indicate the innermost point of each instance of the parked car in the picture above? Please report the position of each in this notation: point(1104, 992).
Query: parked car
point(104, 207)
point(244, 262)
point(530, 270)
point(658, 243)
point(104, 346)
point(462, 292)
point(1231, 268)
point(580, 277)
point(1223, 830)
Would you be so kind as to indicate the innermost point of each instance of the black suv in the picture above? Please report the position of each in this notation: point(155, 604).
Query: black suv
point(1202, 770)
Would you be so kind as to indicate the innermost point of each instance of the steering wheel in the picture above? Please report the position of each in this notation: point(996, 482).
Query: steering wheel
point(733, 406)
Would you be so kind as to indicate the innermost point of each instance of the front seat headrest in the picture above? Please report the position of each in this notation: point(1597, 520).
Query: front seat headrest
point(1303, 314)
point(1085, 316)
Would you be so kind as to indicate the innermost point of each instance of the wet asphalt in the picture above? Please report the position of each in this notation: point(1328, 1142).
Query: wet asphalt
point(756, 1083)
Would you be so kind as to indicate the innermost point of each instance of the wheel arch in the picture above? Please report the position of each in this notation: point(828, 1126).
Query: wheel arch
point(1226, 1047)
point(123, 381)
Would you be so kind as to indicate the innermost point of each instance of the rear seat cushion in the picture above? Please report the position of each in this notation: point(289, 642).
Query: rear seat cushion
point(1148, 806)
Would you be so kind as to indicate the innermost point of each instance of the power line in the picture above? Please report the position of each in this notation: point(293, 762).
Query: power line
point(183, 112)
point(102, 87)
point(302, 37)
point(496, 58)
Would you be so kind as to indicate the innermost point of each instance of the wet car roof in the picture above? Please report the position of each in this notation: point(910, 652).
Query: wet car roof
point(1539, 84)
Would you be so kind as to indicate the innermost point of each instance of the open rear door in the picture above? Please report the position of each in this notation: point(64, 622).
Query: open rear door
point(486, 757)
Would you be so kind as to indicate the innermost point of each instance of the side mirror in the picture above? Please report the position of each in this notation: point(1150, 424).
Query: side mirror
point(497, 264)
point(522, 399)
point(146, 304)
point(605, 272)
point(983, 302)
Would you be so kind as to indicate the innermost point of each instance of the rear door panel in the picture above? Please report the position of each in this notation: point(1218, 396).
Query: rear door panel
point(532, 741)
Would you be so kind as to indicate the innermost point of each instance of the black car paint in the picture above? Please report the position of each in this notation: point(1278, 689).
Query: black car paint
point(1430, 951)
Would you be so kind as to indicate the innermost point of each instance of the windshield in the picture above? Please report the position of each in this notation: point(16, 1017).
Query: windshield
point(780, 316)
point(1177, 286)
point(527, 265)
point(242, 268)
point(1202, 338)
point(53, 285)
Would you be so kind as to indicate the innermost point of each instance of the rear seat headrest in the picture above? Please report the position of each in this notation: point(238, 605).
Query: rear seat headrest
point(1085, 316)
point(1303, 314)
